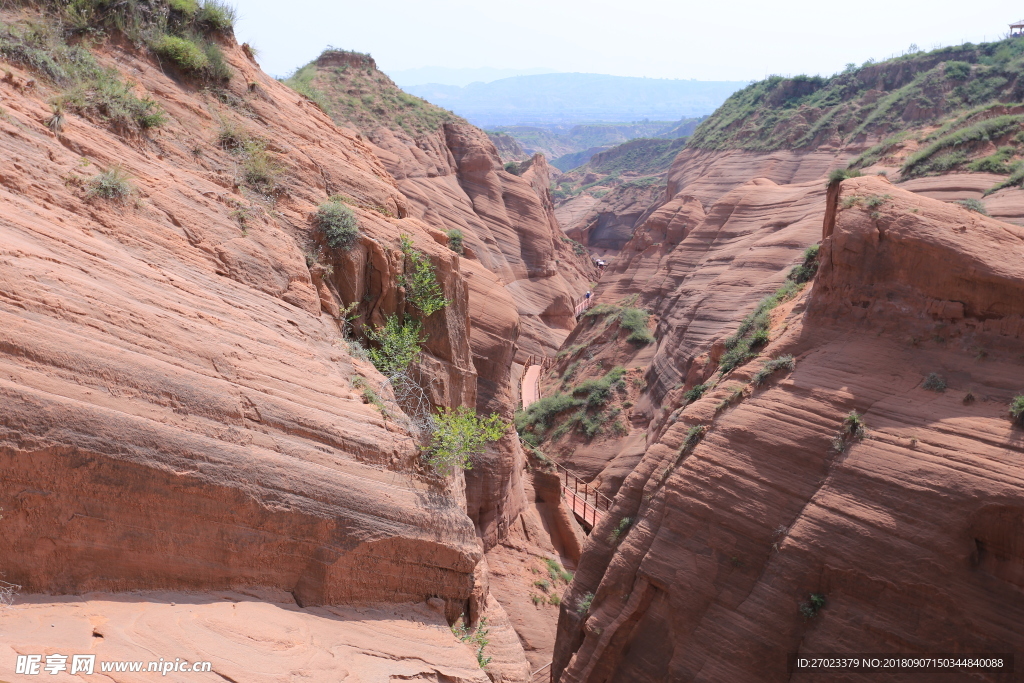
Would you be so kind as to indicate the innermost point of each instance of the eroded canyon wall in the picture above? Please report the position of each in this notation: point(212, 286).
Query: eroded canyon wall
point(181, 408)
point(905, 529)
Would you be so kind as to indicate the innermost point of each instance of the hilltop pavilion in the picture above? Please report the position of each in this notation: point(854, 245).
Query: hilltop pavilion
point(1017, 28)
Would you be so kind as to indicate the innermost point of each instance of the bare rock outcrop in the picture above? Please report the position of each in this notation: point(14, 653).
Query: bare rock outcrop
point(258, 636)
point(257, 427)
point(901, 524)
point(181, 408)
point(523, 275)
point(697, 274)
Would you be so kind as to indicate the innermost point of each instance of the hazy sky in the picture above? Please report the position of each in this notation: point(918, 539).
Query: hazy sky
point(707, 40)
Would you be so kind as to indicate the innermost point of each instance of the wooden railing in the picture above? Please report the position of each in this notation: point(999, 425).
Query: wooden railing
point(581, 305)
point(587, 503)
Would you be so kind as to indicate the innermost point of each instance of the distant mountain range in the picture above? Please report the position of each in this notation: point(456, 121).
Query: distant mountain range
point(448, 76)
point(567, 147)
point(577, 98)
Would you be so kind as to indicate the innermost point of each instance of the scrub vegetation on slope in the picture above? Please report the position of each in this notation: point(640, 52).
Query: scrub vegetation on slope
point(880, 99)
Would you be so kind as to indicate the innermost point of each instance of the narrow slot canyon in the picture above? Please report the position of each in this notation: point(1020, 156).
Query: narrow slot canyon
point(307, 378)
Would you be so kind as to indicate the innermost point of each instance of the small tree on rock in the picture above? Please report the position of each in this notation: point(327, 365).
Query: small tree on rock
point(459, 435)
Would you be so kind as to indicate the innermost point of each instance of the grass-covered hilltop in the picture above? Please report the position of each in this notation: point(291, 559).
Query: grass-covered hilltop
point(916, 89)
point(56, 40)
point(351, 90)
point(952, 109)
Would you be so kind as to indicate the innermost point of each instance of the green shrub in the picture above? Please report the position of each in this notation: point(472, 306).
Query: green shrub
point(231, 136)
point(570, 351)
point(635, 320)
point(456, 241)
point(926, 161)
point(934, 382)
point(422, 289)
point(107, 97)
point(693, 437)
point(629, 317)
point(553, 599)
point(186, 7)
point(973, 205)
point(537, 417)
point(619, 429)
point(478, 637)
point(754, 329)
point(879, 151)
point(841, 174)
point(543, 584)
point(87, 88)
point(853, 426)
point(259, 169)
point(875, 200)
point(620, 530)
point(218, 71)
point(302, 82)
point(958, 71)
point(695, 393)
point(513, 168)
point(56, 120)
point(113, 183)
point(369, 394)
point(398, 345)
point(1017, 410)
point(598, 391)
point(570, 371)
point(338, 224)
point(1000, 162)
point(609, 311)
point(770, 367)
point(1016, 179)
point(216, 16)
point(735, 394)
point(806, 271)
point(591, 424)
point(537, 599)
point(459, 435)
point(584, 603)
point(194, 55)
point(182, 52)
point(810, 609)
point(556, 571)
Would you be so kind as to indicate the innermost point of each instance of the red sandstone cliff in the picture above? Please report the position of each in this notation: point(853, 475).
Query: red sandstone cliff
point(907, 532)
point(181, 411)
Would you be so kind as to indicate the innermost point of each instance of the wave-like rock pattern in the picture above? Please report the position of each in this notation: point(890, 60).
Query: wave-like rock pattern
point(908, 532)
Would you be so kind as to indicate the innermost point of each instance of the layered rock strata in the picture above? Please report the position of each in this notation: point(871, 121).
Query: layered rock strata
point(182, 409)
point(904, 529)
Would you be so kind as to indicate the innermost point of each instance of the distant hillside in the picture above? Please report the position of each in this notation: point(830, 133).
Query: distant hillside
point(953, 110)
point(640, 157)
point(569, 147)
point(918, 89)
point(348, 86)
point(460, 77)
point(637, 164)
point(574, 97)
